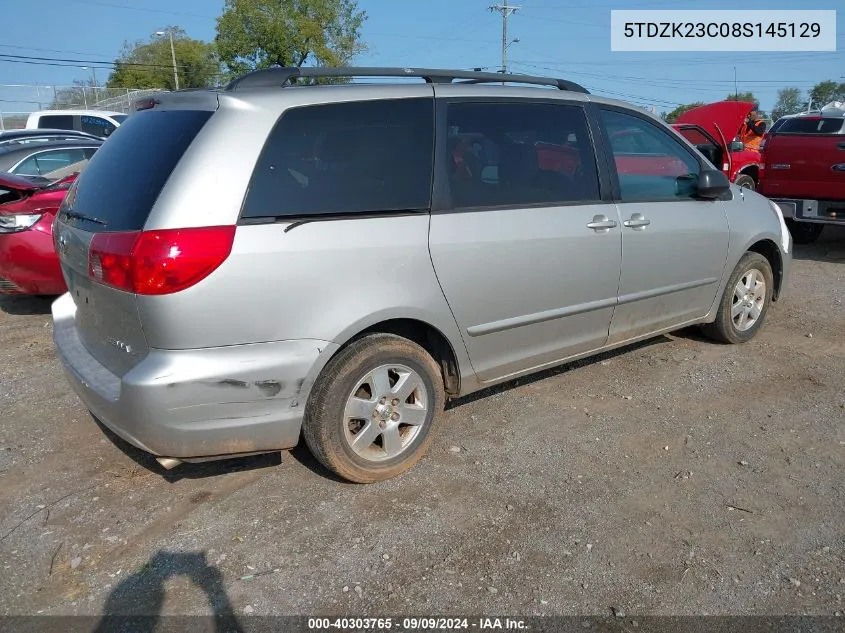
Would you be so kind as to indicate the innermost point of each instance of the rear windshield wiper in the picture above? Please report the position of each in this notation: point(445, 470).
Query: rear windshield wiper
point(74, 215)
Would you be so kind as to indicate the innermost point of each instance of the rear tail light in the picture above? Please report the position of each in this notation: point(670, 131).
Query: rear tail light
point(158, 262)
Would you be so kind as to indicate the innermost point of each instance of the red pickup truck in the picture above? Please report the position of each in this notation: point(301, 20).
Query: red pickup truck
point(804, 171)
point(715, 130)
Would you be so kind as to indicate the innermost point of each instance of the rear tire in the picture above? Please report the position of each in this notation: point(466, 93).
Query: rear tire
point(744, 180)
point(804, 232)
point(371, 412)
point(745, 302)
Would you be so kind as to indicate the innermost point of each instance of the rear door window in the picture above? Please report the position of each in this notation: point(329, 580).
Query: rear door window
point(126, 175)
point(519, 154)
point(56, 121)
point(360, 157)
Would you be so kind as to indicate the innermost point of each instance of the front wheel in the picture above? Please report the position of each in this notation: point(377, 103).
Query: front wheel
point(804, 232)
point(744, 180)
point(372, 410)
point(745, 302)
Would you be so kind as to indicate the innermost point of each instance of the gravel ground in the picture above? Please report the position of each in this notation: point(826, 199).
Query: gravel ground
point(676, 476)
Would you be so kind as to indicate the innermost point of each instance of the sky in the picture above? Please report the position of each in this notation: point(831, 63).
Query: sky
point(560, 38)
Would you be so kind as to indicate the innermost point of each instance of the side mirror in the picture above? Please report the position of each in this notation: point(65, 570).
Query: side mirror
point(712, 184)
point(736, 146)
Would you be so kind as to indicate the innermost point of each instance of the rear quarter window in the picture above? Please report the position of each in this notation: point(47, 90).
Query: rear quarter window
point(126, 175)
point(358, 157)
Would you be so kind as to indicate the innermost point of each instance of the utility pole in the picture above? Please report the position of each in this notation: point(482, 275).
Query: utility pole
point(506, 10)
point(172, 55)
point(736, 88)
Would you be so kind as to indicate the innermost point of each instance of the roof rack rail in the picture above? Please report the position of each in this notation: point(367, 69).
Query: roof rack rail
point(278, 77)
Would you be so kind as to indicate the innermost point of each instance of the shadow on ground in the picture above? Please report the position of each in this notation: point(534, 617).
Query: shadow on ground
point(202, 470)
point(25, 305)
point(136, 603)
point(830, 247)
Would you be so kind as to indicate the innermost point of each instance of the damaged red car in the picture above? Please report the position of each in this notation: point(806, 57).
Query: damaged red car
point(28, 260)
point(715, 129)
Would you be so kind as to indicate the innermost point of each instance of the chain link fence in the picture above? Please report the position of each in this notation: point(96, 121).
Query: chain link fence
point(18, 101)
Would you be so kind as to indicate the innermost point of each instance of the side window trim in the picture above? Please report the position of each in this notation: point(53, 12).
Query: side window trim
point(608, 149)
point(441, 201)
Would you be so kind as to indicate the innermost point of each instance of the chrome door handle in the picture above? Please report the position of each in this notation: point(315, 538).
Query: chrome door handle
point(601, 224)
point(637, 221)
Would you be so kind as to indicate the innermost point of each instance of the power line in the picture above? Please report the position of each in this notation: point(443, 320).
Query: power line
point(83, 62)
point(143, 9)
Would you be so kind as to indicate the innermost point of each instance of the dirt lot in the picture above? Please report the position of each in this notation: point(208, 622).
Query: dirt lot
point(673, 477)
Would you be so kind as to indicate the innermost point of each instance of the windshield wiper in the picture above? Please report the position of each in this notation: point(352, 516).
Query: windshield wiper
point(74, 215)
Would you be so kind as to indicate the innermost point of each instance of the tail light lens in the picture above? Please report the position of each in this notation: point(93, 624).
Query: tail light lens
point(158, 262)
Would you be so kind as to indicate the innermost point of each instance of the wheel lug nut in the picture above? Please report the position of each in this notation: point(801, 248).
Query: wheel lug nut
point(394, 417)
point(382, 424)
point(395, 401)
point(383, 400)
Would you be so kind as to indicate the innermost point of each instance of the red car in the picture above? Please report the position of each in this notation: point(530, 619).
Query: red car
point(28, 260)
point(709, 126)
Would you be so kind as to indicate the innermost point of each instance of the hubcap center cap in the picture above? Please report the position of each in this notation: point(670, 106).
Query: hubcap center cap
point(383, 411)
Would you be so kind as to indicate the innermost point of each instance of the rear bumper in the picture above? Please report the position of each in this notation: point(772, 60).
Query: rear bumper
point(196, 403)
point(817, 211)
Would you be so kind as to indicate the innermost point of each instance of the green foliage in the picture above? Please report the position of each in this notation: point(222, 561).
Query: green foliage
point(790, 101)
point(742, 96)
point(254, 34)
point(672, 117)
point(150, 64)
point(827, 91)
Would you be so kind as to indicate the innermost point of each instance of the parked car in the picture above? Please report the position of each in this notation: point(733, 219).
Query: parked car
point(48, 160)
point(28, 260)
point(96, 122)
point(20, 137)
point(360, 271)
point(709, 127)
point(805, 171)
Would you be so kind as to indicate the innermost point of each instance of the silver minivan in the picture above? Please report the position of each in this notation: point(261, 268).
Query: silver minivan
point(283, 257)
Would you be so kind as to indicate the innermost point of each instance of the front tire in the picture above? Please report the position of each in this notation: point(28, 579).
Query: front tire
point(745, 302)
point(804, 232)
point(744, 180)
point(371, 412)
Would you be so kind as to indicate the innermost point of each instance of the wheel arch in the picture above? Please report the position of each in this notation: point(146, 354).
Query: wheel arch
point(448, 351)
point(752, 170)
point(769, 249)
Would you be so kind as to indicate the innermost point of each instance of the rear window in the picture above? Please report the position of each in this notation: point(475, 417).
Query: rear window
point(122, 182)
point(811, 126)
point(360, 157)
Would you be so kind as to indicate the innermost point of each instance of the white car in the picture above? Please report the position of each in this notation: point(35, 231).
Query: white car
point(97, 122)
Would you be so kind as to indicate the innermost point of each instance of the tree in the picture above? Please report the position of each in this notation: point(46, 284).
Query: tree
point(827, 91)
point(742, 96)
point(672, 117)
point(150, 64)
point(255, 34)
point(790, 101)
point(79, 95)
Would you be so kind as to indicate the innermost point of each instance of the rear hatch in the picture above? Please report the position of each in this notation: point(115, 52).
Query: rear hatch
point(110, 204)
point(806, 159)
